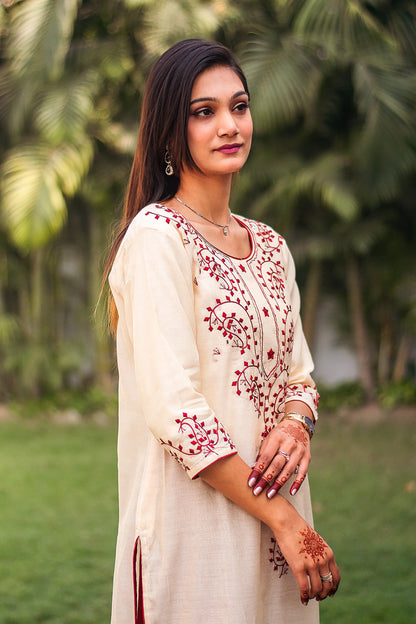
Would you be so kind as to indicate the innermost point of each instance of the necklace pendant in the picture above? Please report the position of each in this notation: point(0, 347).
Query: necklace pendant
point(224, 229)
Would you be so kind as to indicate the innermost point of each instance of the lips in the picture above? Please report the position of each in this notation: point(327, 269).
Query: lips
point(229, 149)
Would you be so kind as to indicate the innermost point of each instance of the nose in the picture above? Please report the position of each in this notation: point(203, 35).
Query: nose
point(227, 125)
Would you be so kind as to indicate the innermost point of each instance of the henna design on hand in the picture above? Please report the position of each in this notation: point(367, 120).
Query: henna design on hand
point(313, 545)
point(299, 435)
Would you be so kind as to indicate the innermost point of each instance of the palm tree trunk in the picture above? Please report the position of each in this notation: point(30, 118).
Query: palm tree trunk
point(399, 368)
point(36, 293)
point(359, 328)
point(311, 301)
point(385, 352)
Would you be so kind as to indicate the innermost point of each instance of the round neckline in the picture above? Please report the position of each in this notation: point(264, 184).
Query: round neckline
point(224, 253)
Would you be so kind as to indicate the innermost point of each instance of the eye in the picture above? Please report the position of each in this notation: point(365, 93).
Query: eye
point(241, 107)
point(202, 112)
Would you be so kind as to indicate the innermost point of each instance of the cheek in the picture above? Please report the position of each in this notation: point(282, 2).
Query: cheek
point(247, 128)
point(197, 143)
point(198, 134)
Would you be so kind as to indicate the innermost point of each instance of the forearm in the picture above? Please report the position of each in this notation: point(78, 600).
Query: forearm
point(230, 475)
point(298, 542)
point(299, 406)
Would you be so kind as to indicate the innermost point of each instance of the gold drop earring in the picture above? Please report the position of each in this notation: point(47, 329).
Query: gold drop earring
point(169, 167)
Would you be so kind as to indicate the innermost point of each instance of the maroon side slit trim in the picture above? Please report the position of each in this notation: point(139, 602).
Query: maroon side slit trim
point(138, 599)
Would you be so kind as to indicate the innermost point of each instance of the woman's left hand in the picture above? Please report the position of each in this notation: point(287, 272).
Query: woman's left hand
point(286, 447)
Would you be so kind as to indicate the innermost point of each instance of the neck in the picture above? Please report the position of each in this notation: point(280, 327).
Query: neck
point(209, 196)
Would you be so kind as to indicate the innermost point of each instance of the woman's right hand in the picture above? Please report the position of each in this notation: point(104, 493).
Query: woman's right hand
point(310, 559)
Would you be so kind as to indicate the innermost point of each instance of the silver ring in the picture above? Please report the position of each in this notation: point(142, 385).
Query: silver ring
point(327, 578)
point(285, 455)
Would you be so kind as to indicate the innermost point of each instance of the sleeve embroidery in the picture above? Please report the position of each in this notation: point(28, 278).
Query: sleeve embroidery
point(197, 439)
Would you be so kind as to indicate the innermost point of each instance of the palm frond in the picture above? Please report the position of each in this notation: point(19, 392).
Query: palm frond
point(65, 108)
point(401, 23)
point(35, 180)
point(385, 147)
point(111, 58)
point(3, 18)
point(169, 21)
point(324, 181)
point(121, 138)
point(283, 77)
point(340, 239)
point(16, 100)
point(134, 4)
point(40, 34)
point(342, 27)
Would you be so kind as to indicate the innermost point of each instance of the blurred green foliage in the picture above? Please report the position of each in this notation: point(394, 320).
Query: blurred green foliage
point(341, 397)
point(333, 166)
point(85, 405)
point(399, 393)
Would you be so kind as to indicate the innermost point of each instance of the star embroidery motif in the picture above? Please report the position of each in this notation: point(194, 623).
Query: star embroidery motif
point(270, 354)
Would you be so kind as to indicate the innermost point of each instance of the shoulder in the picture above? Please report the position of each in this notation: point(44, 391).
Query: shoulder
point(155, 236)
point(154, 217)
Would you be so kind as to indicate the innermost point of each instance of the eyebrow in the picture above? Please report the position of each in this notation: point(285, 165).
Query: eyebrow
point(211, 99)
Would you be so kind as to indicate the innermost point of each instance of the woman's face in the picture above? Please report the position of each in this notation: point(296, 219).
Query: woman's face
point(219, 125)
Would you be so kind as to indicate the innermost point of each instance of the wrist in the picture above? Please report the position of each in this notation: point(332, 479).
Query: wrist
point(305, 421)
point(282, 515)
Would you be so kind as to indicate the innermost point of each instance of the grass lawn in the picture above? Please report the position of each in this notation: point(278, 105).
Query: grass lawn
point(58, 515)
point(363, 481)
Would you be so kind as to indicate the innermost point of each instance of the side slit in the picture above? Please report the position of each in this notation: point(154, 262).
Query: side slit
point(138, 591)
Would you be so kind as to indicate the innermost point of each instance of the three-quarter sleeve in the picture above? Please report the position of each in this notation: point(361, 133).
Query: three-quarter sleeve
point(160, 317)
point(301, 386)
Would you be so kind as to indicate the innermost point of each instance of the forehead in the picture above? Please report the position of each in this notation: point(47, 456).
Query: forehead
point(216, 81)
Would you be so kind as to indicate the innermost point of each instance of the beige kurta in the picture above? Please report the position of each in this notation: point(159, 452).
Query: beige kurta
point(209, 349)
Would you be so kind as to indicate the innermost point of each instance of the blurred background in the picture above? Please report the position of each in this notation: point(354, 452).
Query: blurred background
point(332, 168)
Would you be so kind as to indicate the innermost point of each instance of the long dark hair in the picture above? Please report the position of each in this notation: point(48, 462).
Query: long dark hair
point(164, 124)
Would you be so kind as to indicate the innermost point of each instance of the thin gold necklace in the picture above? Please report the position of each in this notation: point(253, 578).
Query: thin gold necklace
point(223, 227)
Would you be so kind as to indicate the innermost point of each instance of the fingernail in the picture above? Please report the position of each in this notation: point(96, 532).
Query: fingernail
point(257, 490)
point(305, 601)
point(293, 490)
point(271, 493)
point(251, 481)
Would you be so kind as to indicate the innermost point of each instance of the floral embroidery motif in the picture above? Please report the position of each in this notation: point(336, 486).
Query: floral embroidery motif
point(249, 302)
point(201, 440)
point(240, 323)
point(300, 391)
point(279, 562)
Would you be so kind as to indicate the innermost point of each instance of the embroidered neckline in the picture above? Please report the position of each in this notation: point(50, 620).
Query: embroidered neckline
point(224, 253)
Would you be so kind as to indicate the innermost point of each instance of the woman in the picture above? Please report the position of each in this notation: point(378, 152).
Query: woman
point(212, 361)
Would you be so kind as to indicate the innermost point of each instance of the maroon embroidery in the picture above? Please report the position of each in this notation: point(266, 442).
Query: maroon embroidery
point(300, 391)
point(279, 562)
point(232, 324)
point(240, 323)
point(199, 438)
point(249, 302)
